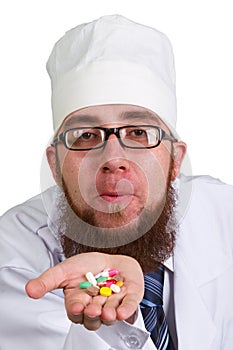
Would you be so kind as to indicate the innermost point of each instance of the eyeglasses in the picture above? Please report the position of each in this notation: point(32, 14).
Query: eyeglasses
point(130, 136)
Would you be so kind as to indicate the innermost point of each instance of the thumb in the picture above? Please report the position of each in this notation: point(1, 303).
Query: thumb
point(49, 280)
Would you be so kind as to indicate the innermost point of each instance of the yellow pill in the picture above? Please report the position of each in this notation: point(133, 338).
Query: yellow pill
point(105, 291)
point(119, 283)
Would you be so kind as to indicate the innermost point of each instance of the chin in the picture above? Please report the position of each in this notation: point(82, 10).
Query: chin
point(117, 219)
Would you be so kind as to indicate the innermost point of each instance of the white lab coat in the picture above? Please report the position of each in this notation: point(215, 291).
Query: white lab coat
point(203, 280)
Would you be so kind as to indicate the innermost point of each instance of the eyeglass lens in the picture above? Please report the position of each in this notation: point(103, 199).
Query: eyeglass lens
point(131, 136)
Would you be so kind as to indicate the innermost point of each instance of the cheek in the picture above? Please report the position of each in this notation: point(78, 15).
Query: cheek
point(164, 155)
point(69, 163)
point(157, 169)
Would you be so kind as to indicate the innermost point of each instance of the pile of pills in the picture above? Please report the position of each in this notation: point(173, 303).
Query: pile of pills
point(104, 283)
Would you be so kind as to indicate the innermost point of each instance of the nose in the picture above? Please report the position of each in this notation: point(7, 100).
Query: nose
point(114, 157)
point(114, 165)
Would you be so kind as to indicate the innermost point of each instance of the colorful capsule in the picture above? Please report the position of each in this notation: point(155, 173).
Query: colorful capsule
point(91, 278)
point(119, 283)
point(101, 279)
point(103, 283)
point(108, 283)
point(105, 291)
point(110, 273)
point(100, 273)
point(85, 284)
point(115, 288)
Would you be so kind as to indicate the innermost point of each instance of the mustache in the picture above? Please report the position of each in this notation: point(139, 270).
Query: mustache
point(82, 228)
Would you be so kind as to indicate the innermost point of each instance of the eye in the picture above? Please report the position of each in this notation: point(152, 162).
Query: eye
point(84, 138)
point(138, 132)
point(81, 135)
point(140, 135)
point(87, 135)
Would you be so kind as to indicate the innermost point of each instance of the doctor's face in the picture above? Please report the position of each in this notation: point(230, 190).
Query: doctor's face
point(113, 186)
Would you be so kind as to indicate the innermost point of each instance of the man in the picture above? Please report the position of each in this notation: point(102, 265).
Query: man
point(116, 158)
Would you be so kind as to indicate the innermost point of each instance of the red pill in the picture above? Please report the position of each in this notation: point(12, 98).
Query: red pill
point(108, 283)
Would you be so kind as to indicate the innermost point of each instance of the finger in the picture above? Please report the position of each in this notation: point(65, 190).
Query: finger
point(91, 323)
point(128, 307)
point(69, 272)
point(109, 313)
point(78, 318)
point(49, 280)
point(92, 313)
point(94, 308)
point(75, 303)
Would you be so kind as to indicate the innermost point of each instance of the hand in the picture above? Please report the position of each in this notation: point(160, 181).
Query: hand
point(82, 308)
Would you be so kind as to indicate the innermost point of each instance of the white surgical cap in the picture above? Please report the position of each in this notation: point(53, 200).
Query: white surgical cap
point(113, 60)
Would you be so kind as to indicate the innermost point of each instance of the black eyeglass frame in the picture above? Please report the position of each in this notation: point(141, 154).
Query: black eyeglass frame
point(112, 131)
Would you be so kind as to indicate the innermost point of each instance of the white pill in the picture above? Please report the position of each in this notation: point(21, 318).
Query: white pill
point(91, 278)
point(97, 275)
point(115, 288)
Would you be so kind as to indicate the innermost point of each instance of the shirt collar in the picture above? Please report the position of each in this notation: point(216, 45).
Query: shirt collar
point(169, 263)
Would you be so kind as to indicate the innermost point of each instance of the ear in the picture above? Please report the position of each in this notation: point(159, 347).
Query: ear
point(179, 152)
point(52, 160)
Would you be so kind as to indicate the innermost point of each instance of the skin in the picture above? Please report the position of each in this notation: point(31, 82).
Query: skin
point(103, 170)
point(81, 308)
point(91, 177)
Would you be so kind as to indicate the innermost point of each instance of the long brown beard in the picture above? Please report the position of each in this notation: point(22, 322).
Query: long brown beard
point(154, 247)
point(150, 249)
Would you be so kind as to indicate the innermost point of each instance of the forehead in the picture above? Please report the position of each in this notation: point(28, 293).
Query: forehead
point(111, 114)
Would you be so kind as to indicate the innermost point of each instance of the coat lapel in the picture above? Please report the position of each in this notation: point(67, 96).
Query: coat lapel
point(203, 252)
point(195, 328)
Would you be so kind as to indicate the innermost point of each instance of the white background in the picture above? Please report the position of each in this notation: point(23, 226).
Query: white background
point(201, 32)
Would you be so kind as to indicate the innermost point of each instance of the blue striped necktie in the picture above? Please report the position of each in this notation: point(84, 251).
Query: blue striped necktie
point(152, 310)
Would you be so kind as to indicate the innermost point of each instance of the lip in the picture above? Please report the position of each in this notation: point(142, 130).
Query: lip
point(115, 196)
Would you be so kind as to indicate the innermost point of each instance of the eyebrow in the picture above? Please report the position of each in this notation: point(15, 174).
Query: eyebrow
point(80, 119)
point(125, 116)
point(138, 115)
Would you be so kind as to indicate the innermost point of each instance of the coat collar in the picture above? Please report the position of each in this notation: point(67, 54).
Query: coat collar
point(203, 252)
point(206, 224)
